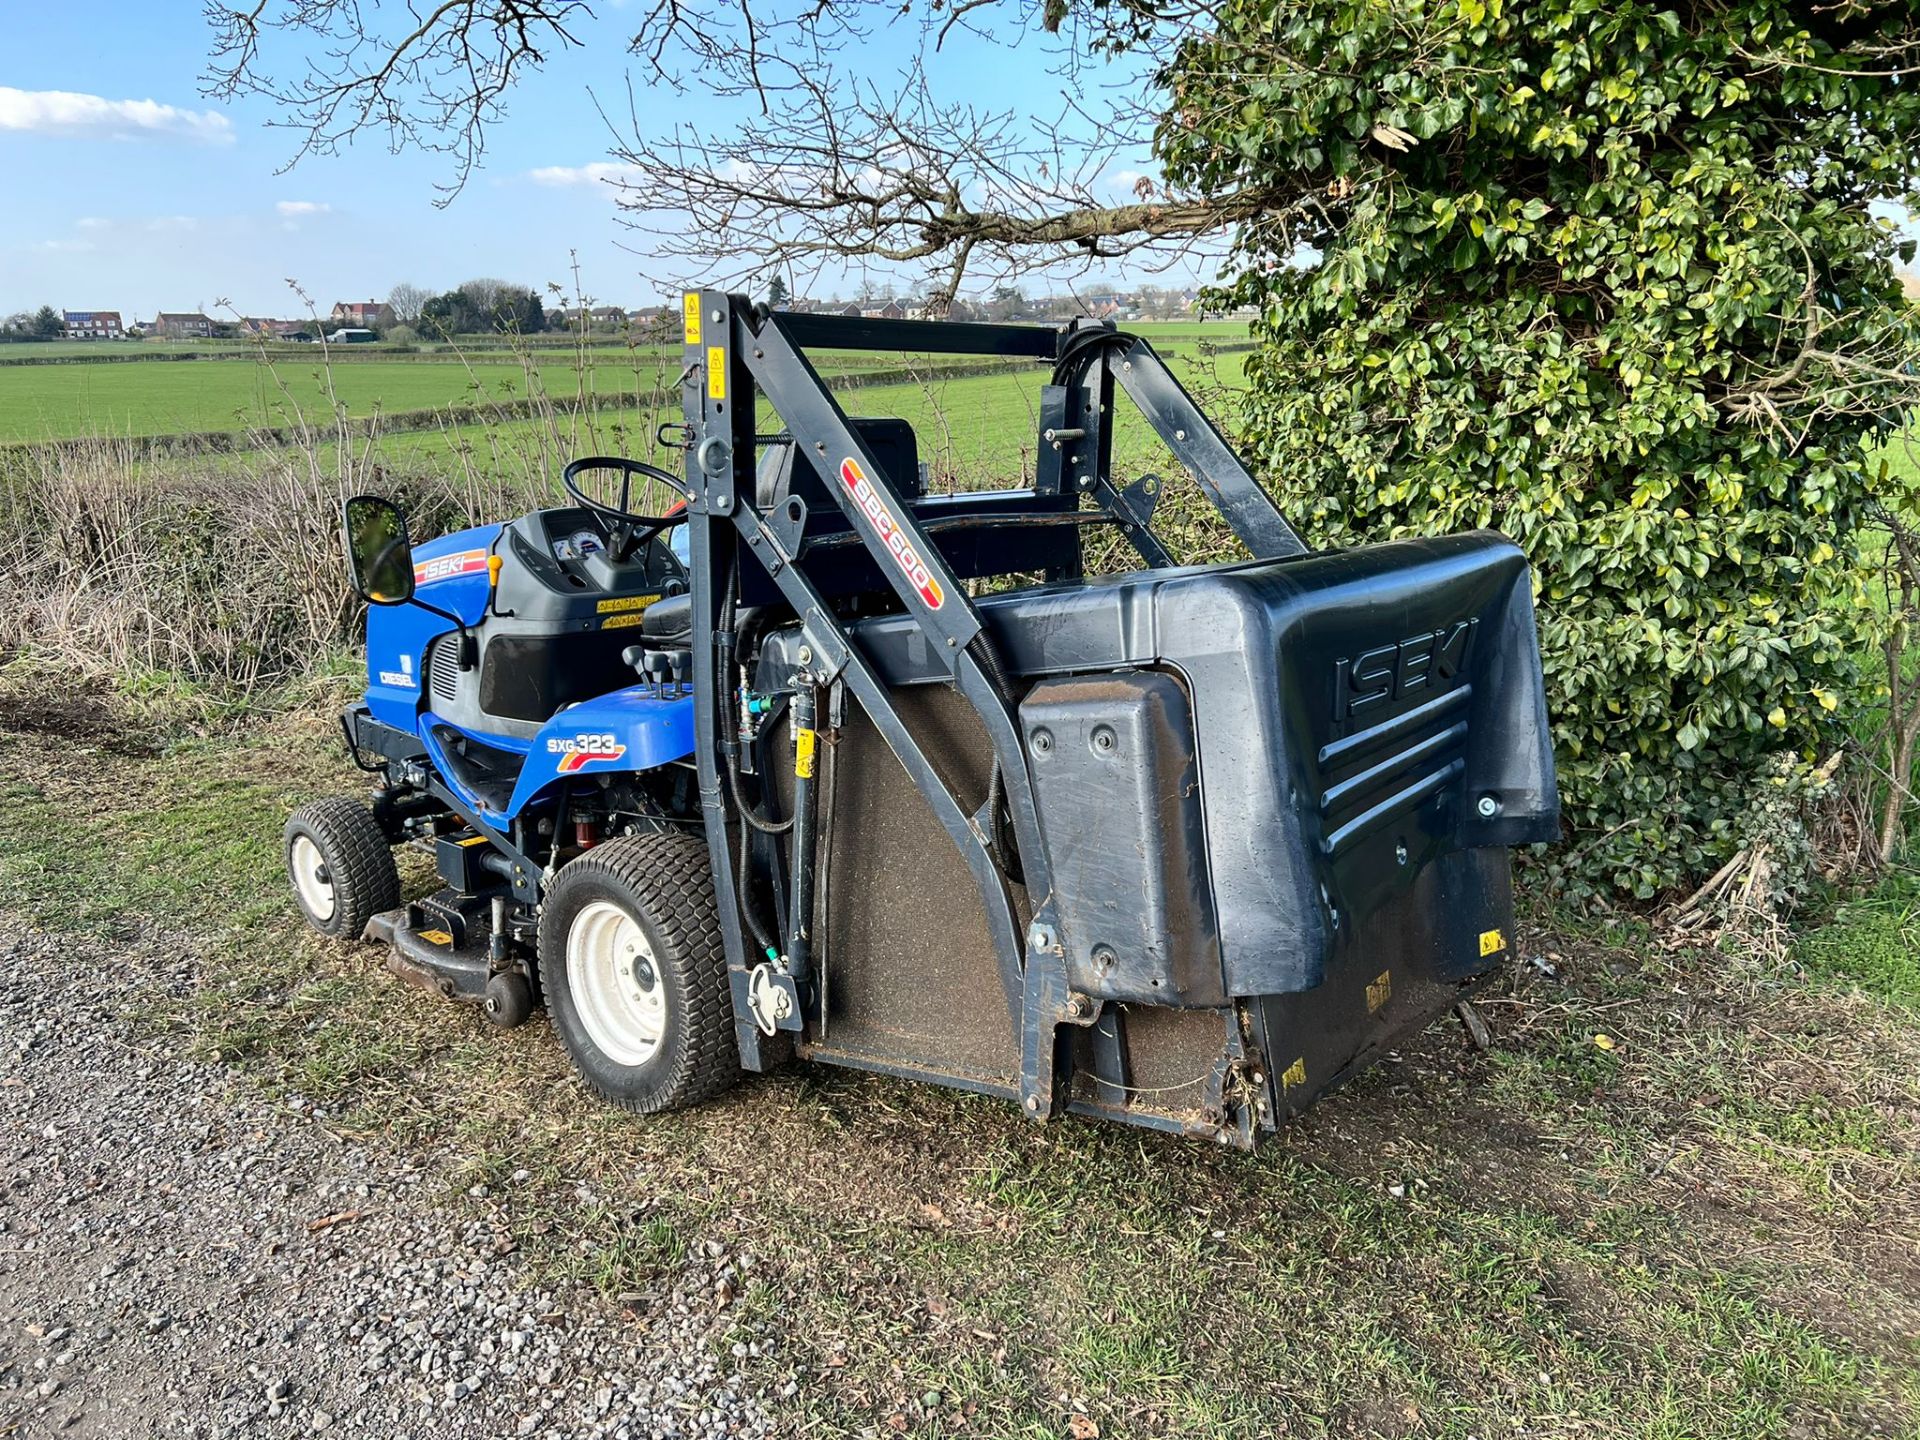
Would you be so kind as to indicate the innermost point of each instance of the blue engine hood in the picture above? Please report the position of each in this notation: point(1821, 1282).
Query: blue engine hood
point(451, 571)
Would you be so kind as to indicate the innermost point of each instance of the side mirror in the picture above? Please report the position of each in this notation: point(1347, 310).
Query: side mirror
point(379, 555)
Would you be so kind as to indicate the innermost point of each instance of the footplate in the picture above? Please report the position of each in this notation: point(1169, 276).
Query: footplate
point(440, 943)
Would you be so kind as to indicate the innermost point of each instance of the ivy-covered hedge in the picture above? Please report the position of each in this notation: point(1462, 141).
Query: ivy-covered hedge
point(1602, 276)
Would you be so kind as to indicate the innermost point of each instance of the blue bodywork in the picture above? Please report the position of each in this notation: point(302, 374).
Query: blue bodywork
point(450, 573)
point(625, 731)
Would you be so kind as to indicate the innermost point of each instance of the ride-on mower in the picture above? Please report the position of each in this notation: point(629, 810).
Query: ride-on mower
point(855, 772)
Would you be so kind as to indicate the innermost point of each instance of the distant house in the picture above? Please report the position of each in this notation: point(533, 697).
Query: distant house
point(294, 329)
point(93, 324)
point(892, 310)
point(181, 325)
point(362, 314)
point(603, 316)
point(257, 328)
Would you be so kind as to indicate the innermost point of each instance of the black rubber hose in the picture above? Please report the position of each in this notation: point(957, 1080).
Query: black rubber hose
point(987, 656)
point(1083, 341)
point(747, 812)
point(747, 907)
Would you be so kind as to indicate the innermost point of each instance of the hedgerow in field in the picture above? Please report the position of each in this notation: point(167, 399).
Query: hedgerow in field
point(1603, 276)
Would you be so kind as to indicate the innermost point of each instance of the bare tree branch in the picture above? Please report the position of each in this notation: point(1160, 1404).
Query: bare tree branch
point(837, 176)
point(434, 83)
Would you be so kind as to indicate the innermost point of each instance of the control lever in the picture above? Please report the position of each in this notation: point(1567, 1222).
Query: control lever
point(667, 671)
point(657, 670)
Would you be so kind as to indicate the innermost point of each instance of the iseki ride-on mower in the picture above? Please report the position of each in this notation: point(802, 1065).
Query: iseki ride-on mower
point(763, 777)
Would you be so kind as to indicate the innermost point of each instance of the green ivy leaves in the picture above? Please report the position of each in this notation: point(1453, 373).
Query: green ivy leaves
point(1577, 233)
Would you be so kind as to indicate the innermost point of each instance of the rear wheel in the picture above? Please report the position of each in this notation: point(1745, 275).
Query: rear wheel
point(634, 976)
point(341, 866)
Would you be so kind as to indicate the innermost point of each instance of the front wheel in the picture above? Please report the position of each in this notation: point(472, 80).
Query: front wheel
point(634, 976)
point(341, 866)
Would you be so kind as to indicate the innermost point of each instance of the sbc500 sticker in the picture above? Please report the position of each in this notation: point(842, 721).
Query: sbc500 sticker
point(895, 539)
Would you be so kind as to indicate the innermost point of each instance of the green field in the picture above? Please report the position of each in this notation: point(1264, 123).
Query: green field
point(237, 390)
point(54, 402)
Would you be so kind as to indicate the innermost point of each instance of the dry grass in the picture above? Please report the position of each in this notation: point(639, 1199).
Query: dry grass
point(223, 577)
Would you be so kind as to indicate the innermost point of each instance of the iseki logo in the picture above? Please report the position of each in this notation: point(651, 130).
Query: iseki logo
point(1431, 660)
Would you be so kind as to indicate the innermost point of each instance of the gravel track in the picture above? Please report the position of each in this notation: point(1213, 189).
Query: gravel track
point(181, 1258)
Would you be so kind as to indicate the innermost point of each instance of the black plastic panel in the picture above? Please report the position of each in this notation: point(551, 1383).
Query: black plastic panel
point(531, 677)
point(1116, 774)
point(1352, 712)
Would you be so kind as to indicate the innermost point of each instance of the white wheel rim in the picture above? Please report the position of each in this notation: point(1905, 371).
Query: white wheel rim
point(616, 983)
point(310, 879)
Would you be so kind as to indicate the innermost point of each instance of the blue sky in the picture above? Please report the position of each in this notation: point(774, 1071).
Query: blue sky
point(125, 189)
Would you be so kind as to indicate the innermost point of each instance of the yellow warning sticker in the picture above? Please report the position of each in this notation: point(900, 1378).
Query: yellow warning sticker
point(1492, 942)
point(622, 622)
point(626, 602)
point(803, 743)
point(474, 840)
point(1379, 992)
point(1294, 1074)
point(716, 372)
point(436, 937)
point(690, 306)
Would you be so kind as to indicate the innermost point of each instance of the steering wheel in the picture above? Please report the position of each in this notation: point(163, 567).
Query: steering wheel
point(628, 528)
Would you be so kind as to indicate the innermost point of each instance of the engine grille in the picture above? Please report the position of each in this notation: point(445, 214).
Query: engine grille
point(443, 669)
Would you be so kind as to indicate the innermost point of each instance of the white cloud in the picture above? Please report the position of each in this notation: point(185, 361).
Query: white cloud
point(600, 172)
point(69, 113)
point(292, 209)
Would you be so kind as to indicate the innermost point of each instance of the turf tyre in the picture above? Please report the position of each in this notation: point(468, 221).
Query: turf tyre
point(663, 883)
point(359, 874)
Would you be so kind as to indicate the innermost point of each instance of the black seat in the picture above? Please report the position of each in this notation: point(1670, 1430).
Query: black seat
point(667, 624)
point(892, 443)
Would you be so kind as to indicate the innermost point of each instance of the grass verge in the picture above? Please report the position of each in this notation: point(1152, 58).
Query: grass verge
point(1705, 1230)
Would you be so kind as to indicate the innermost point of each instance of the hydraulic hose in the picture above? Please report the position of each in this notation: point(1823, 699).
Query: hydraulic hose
point(747, 908)
point(730, 766)
point(747, 812)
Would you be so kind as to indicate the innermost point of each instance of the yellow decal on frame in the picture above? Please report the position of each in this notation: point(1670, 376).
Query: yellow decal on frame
point(716, 372)
point(803, 743)
point(1492, 942)
point(691, 307)
point(1379, 992)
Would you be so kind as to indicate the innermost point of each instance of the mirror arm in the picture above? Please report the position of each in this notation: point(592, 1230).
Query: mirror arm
point(469, 647)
